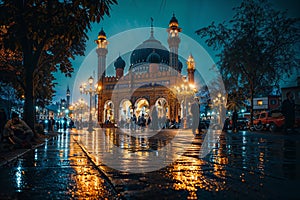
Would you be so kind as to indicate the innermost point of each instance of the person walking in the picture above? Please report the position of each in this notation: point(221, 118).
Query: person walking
point(288, 110)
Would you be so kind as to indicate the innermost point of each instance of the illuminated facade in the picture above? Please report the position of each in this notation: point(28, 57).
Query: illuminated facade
point(153, 79)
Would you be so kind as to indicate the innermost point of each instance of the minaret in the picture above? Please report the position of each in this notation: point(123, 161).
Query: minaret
point(101, 51)
point(173, 41)
point(190, 69)
point(68, 94)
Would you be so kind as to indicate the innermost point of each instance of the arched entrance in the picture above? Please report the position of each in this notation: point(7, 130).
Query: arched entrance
point(142, 107)
point(124, 110)
point(109, 115)
point(162, 107)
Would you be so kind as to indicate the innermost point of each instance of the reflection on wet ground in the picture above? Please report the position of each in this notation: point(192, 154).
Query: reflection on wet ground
point(240, 165)
point(243, 165)
point(57, 170)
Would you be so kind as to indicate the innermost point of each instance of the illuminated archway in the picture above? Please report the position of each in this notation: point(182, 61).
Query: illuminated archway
point(124, 110)
point(109, 113)
point(142, 107)
point(162, 107)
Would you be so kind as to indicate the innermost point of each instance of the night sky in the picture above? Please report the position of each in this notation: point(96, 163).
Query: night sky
point(136, 14)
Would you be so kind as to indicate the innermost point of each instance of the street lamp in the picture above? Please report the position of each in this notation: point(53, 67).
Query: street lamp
point(220, 102)
point(184, 91)
point(90, 91)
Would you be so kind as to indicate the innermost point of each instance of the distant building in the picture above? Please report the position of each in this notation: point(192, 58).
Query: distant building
point(270, 102)
point(295, 89)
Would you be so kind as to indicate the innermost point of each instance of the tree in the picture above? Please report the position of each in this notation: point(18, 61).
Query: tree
point(47, 34)
point(257, 47)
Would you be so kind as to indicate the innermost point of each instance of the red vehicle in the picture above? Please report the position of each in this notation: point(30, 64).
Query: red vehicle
point(268, 120)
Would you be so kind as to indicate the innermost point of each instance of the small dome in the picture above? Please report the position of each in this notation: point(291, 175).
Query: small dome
point(119, 63)
point(102, 33)
point(173, 20)
point(153, 57)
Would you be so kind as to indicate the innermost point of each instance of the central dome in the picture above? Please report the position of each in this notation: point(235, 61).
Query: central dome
point(141, 52)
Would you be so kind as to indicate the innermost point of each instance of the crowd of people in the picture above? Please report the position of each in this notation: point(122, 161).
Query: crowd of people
point(152, 122)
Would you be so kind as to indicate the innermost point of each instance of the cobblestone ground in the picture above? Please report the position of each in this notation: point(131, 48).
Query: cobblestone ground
point(57, 170)
point(243, 165)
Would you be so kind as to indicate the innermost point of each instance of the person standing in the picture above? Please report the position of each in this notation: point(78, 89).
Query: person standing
point(50, 129)
point(65, 123)
point(195, 110)
point(133, 122)
point(154, 119)
point(234, 121)
point(288, 110)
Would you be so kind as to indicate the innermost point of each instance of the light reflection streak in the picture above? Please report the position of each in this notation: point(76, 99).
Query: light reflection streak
point(19, 177)
point(190, 176)
point(88, 182)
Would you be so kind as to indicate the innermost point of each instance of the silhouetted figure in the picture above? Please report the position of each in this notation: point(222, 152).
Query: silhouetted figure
point(133, 122)
point(52, 123)
point(71, 124)
point(18, 132)
point(288, 110)
point(65, 123)
point(149, 120)
point(154, 119)
point(234, 121)
point(226, 124)
point(50, 129)
point(142, 122)
point(195, 110)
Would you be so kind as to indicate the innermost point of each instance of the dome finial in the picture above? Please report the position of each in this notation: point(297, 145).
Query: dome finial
point(152, 31)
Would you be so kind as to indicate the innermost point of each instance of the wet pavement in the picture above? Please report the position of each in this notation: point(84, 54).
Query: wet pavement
point(56, 170)
point(243, 165)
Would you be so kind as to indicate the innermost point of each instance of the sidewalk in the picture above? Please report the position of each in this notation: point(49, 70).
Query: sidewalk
point(7, 155)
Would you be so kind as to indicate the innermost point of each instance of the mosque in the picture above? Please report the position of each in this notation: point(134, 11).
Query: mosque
point(154, 80)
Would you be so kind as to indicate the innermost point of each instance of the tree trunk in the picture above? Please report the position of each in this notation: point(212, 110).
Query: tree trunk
point(29, 64)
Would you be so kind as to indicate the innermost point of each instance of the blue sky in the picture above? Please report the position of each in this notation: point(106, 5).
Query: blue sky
point(134, 14)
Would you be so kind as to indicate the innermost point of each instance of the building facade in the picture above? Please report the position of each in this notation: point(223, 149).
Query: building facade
point(153, 80)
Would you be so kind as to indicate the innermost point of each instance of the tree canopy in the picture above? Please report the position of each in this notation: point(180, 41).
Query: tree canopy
point(44, 36)
point(257, 47)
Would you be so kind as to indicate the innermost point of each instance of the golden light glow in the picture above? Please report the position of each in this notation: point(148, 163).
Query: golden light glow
point(88, 182)
point(260, 102)
point(190, 62)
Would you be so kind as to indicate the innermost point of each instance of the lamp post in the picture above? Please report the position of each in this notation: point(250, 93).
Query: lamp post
point(90, 91)
point(220, 102)
point(184, 91)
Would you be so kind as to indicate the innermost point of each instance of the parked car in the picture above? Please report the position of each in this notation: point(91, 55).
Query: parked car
point(270, 120)
point(242, 123)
